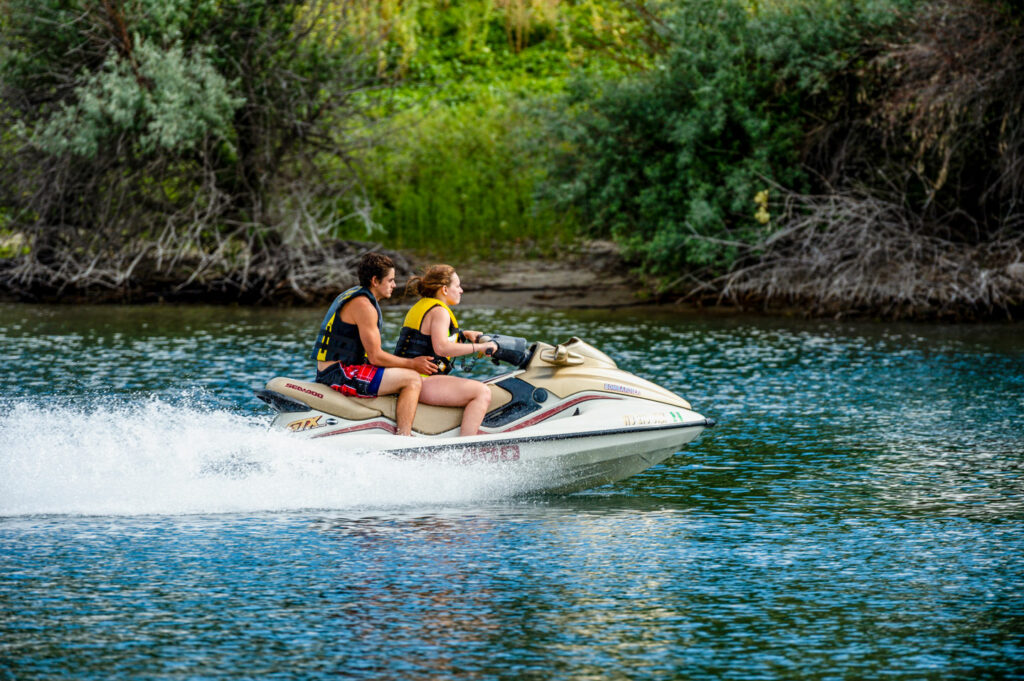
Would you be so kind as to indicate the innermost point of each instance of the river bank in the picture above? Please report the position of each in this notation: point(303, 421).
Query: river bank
point(588, 274)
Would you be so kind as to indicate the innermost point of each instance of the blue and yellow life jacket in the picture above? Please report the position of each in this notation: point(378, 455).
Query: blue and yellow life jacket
point(413, 343)
point(339, 341)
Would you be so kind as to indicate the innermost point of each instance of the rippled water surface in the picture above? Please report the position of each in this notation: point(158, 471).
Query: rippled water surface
point(858, 512)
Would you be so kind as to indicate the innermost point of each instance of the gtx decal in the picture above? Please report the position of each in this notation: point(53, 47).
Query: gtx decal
point(305, 424)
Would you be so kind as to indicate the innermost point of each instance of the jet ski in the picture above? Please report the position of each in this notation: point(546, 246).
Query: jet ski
point(565, 412)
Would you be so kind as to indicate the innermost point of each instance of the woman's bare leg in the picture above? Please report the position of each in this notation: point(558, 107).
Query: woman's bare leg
point(452, 391)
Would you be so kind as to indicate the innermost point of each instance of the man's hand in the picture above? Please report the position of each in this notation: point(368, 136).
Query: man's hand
point(424, 365)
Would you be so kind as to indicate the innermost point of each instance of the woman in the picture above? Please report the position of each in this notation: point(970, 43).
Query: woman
point(431, 329)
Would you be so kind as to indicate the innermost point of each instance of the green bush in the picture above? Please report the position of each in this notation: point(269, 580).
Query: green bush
point(672, 162)
point(125, 120)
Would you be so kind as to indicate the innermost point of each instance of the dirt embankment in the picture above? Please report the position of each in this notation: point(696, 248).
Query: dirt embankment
point(590, 275)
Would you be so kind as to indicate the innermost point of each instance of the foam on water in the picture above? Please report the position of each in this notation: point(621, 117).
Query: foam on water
point(160, 458)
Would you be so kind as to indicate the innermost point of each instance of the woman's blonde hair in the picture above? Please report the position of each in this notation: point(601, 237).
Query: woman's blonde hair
point(431, 281)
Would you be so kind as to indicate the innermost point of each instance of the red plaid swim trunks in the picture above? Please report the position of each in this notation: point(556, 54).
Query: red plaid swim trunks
point(354, 380)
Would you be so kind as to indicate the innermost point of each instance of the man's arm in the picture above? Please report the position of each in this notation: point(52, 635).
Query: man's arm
point(364, 316)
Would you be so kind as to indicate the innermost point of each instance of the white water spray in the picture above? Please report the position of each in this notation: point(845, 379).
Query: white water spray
point(158, 458)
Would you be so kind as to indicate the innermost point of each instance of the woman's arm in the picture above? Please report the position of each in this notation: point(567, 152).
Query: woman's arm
point(435, 325)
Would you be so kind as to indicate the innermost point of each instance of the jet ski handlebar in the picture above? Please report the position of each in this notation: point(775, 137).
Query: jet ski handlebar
point(511, 349)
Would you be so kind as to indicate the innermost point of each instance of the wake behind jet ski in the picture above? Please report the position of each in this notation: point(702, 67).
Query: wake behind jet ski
point(566, 411)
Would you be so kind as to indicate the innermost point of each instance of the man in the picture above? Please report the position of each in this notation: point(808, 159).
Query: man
point(348, 353)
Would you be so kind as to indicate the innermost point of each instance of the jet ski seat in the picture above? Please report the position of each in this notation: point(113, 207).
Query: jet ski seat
point(429, 419)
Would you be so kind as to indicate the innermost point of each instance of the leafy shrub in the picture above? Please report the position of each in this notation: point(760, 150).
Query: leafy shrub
point(456, 173)
point(183, 119)
point(938, 124)
point(672, 162)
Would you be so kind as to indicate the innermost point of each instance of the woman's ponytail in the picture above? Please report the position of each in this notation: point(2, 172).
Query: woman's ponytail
point(434, 277)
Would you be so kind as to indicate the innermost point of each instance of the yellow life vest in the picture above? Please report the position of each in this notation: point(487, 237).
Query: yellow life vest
point(412, 342)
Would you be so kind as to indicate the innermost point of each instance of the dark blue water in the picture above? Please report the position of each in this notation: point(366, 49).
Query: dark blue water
point(857, 513)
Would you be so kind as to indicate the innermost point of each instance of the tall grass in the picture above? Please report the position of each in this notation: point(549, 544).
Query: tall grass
point(459, 180)
point(459, 172)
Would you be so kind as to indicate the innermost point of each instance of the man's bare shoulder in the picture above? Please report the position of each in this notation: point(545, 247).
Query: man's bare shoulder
point(360, 302)
point(359, 309)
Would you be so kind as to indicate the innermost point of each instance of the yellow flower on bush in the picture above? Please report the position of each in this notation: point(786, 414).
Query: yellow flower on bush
point(762, 215)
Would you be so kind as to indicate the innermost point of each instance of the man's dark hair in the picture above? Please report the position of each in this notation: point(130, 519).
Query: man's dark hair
point(373, 265)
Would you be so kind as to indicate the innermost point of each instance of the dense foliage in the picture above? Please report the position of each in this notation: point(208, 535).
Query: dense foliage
point(137, 125)
point(458, 174)
point(719, 141)
point(856, 155)
point(678, 161)
point(456, 184)
point(940, 122)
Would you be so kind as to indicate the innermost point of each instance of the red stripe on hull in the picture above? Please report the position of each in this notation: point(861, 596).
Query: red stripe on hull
point(373, 425)
point(560, 408)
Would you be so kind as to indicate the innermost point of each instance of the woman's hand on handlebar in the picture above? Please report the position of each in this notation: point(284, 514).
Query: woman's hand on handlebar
point(488, 348)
